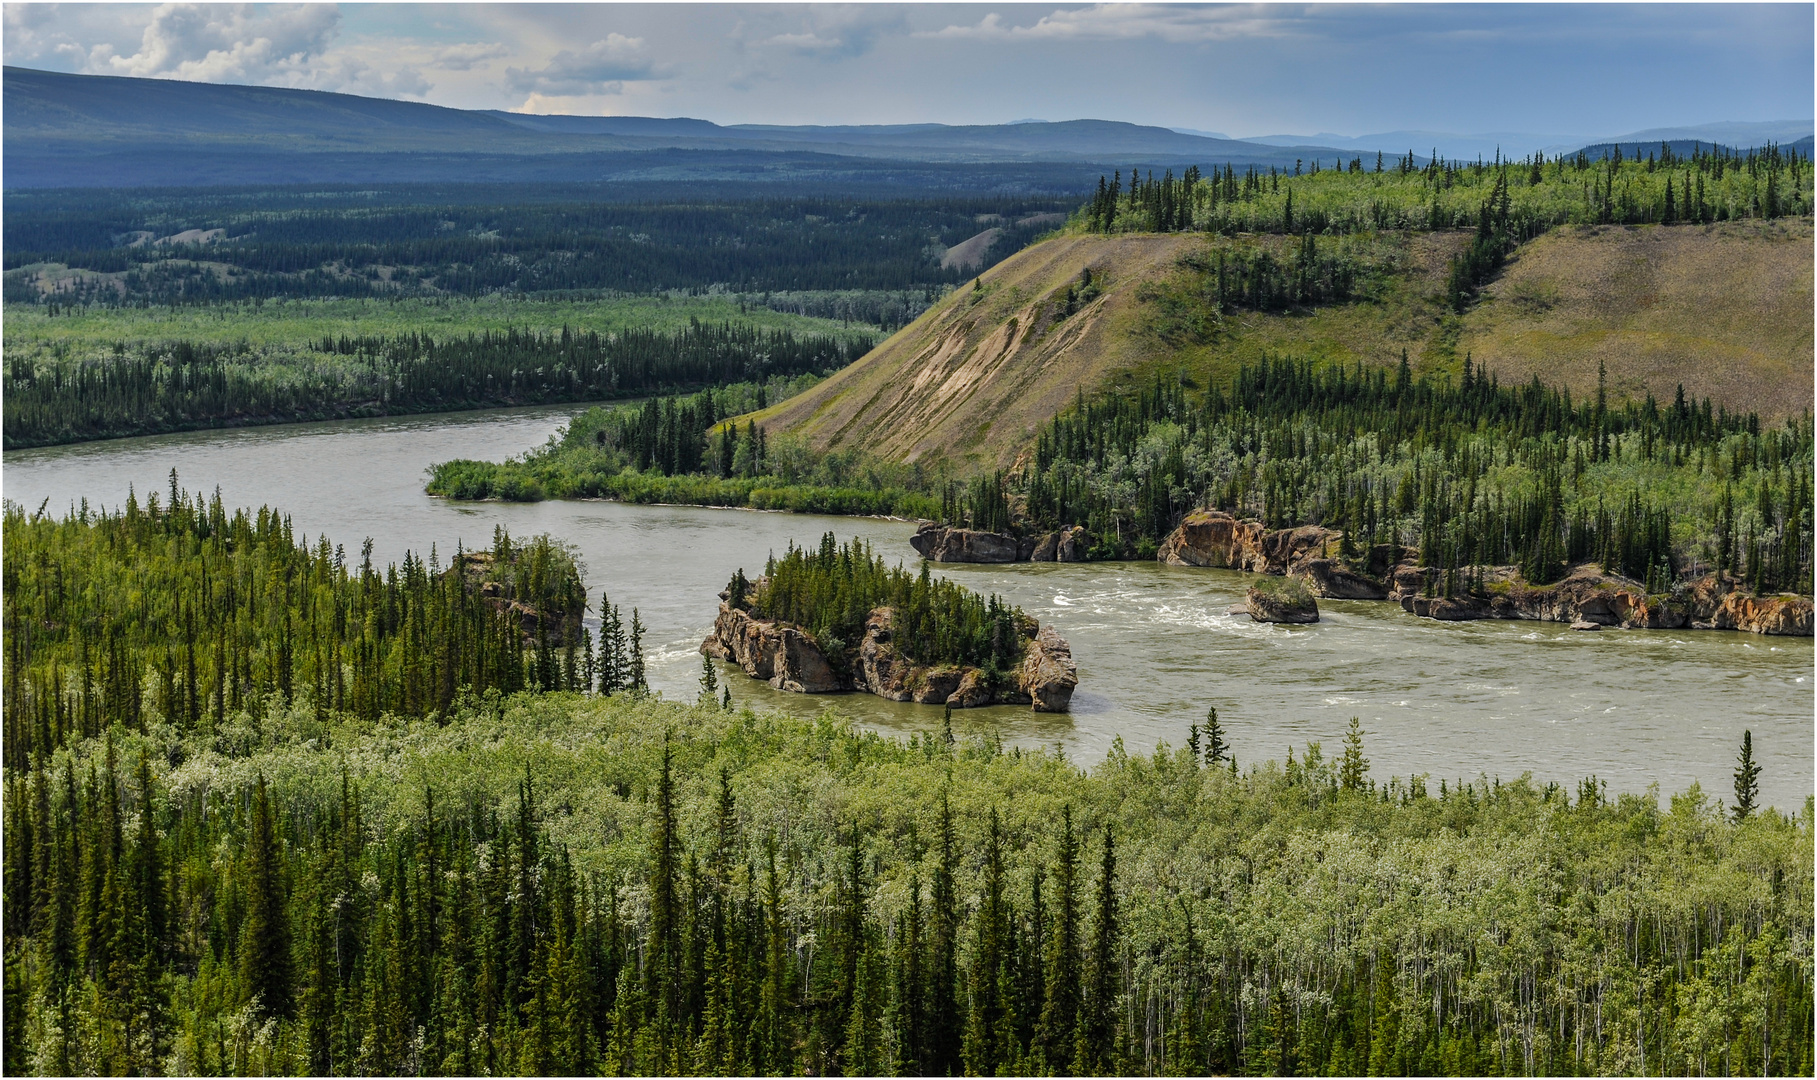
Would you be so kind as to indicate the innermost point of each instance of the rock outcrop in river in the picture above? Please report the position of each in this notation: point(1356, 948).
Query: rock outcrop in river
point(789, 658)
point(1587, 597)
point(1215, 538)
point(949, 544)
point(1286, 601)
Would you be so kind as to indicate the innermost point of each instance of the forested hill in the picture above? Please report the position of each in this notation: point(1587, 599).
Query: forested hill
point(1636, 277)
point(67, 130)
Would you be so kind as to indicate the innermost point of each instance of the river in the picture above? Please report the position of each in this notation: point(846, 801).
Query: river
point(1154, 647)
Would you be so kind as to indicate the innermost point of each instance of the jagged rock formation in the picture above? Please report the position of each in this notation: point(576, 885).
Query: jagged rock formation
point(1215, 538)
point(1048, 674)
point(1586, 597)
point(943, 543)
point(1328, 577)
point(949, 544)
point(780, 655)
point(789, 658)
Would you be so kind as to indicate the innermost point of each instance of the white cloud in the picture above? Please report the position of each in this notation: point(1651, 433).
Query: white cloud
point(270, 45)
point(602, 67)
point(226, 43)
point(1176, 24)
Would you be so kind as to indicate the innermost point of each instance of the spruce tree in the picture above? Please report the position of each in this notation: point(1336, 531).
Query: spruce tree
point(1353, 774)
point(909, 993)
point(1061, 979)
point(982, 1054)
point(634, 680)
point(944, 1026)
point(709, 681)
point(663, 953)
point(1216, 749)
point(1095, 1048)
point(265, 935)
point(1747, 779)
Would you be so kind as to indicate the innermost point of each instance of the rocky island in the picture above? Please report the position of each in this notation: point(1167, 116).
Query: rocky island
point(1586, 596)
point(918, 639)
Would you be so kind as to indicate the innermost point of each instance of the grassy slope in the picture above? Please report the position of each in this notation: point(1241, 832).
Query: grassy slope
point(1724, 309)
point(971, 380)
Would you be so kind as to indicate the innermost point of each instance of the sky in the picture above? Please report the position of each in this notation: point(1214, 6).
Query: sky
point(1241, 70)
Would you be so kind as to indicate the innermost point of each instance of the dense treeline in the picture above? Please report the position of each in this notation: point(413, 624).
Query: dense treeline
point(674, 436)
point(1258, 276)
point(552, 885)
point(888, 311)
point(523, 246)
point(1467, 473)
point(1520, 198)
point(171, 386)
point(178, 610)
point(831, 591)
point(691, 450)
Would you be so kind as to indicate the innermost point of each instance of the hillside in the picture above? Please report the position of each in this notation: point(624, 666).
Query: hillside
point(1724, 309)
point(972, 379)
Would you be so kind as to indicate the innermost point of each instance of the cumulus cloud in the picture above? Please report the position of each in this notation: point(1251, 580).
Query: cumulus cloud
point(271, 45)
point(601, 68)
point(225, 43)
point(1177, 24)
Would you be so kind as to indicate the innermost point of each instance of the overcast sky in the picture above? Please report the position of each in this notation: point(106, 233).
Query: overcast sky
point(1242, 70)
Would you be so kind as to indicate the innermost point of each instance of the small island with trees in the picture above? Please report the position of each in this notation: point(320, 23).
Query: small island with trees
point(838, 618)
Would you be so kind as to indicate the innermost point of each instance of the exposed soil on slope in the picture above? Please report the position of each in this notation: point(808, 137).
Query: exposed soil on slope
point(972, 380)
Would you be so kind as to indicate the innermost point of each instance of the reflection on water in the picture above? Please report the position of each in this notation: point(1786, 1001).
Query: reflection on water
point(1154, 646)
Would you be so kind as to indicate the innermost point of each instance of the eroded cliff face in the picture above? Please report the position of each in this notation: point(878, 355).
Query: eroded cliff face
point(789, 659)
point(1587, 598)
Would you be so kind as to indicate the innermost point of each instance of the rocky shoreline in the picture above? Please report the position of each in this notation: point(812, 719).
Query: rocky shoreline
point(788, 658)
point(1587, 598)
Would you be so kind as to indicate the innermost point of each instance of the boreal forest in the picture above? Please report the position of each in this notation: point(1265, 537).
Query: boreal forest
point(271, 809)
point(275, 806)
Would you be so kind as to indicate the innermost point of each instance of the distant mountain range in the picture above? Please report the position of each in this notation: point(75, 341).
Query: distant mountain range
point(66, 130)
point(1520, 144)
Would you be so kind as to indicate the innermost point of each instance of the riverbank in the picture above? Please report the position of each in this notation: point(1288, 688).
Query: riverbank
point(1586, 597)
point(1153, 646)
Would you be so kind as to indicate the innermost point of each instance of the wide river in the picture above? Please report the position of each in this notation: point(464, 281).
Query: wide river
point(1154, 646)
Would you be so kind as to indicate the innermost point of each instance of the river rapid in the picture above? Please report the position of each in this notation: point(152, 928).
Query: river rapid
point(1154, 647)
